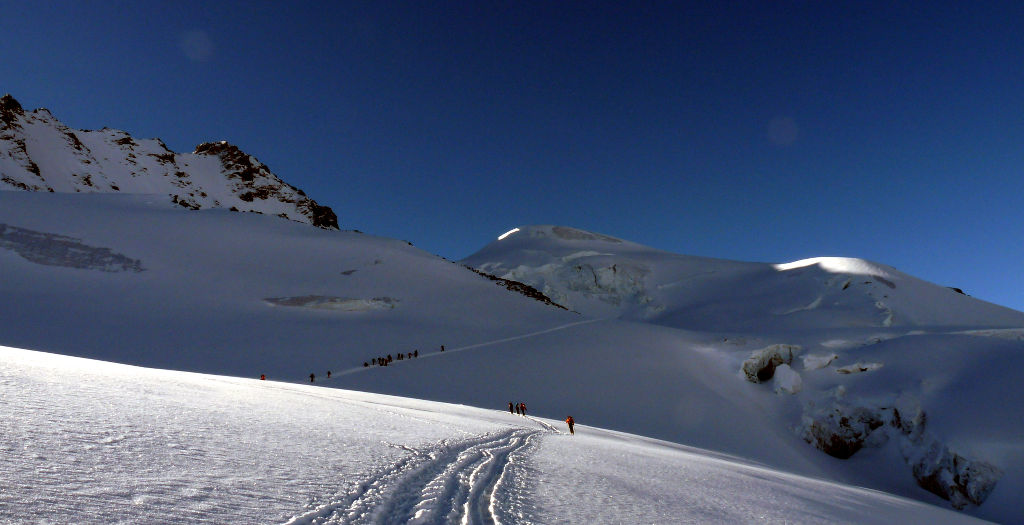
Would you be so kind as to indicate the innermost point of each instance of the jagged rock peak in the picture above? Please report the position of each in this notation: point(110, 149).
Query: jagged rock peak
point(217, 148)
point(10, 110)
point(245, 165)
point(259, 183)
point(8, 103)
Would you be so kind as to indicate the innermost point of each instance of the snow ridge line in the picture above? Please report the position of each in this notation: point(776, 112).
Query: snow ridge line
point(455, 481)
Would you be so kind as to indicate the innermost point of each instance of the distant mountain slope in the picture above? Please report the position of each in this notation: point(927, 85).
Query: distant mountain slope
point(128, 278)
point(39, 153)
point(603, 276)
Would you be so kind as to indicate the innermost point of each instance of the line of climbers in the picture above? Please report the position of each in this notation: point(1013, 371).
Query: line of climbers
point(376, 361)
point(384, 361)
point(513, 408)
point(520, 408)
point(312, 377)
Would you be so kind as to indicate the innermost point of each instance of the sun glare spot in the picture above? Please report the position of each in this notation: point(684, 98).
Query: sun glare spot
point(506, 234)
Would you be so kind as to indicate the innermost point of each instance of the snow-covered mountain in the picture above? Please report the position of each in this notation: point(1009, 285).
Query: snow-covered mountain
point(838, 369)
point(916, 411)
point(39, 153)
point(599, 275)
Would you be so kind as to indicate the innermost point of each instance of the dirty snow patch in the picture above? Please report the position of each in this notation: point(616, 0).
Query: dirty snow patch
point(50, 249)
point(344, 304)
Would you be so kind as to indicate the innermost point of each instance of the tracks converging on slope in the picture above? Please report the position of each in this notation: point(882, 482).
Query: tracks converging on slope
point(465, 481)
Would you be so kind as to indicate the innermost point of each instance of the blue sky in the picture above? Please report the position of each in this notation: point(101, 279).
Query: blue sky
point(761, 131)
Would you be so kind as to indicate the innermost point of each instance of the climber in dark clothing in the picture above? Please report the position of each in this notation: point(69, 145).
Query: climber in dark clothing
point(510, 409)
point(523, 408)
point(312, 377)
point(571, 422)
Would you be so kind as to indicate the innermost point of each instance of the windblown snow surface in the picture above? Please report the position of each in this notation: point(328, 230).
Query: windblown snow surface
point(87, 441)
point(910, 387)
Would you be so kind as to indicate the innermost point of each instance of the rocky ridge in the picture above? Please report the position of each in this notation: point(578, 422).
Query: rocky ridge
point(39, 153)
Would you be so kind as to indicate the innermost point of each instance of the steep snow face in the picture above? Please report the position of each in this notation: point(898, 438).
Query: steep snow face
point(39, 153)
point(602, 276)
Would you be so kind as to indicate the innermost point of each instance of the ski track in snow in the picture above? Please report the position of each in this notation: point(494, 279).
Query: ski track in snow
point(456, 481)
point(524, 336)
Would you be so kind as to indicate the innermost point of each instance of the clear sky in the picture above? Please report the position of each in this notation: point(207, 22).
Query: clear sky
point(759, 131)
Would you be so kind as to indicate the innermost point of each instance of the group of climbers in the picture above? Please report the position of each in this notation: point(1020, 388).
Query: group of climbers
point(385, 360)
point(513, 408)
point(388, 359)
point(312, 376)
point(520, 409)
point(376, 361)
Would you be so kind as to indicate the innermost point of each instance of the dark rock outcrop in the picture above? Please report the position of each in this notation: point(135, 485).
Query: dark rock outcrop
point(518, 287)
point(254, 181)
point(10, 110)
point(760, 366)
point(841, 429)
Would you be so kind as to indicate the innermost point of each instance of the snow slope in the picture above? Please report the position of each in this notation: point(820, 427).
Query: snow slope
point(138, 280)
point(239, 294)
point(87, 441)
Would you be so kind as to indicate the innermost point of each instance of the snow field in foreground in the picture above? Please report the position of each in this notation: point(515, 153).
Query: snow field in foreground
point(92, 442)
